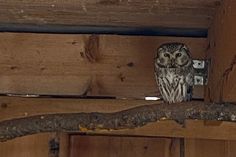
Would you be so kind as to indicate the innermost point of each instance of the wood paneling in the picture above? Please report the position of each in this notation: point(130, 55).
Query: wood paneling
point(105, 146)
point(120, 66)
point(64, 144)
point(223, 55)
point(39, 145)
point(210, 148)
point(22, 107)
point(152, 13)
point(30, 146)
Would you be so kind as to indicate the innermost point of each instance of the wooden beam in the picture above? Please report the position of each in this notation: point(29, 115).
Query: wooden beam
point(104, 65)
point(221, 84)
point(222, 54)
point(162, 13)
point(15, 108)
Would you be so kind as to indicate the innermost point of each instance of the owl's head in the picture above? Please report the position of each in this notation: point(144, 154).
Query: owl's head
point(173, 55)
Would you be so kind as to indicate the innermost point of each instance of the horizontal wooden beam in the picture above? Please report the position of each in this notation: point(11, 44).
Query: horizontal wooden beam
point(88, 65)
point(162, 13)
point(22, 116)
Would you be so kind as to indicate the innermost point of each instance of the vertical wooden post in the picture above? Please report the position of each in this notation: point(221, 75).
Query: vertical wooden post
point(222, 54)
point(222, 75)
point(64, 145)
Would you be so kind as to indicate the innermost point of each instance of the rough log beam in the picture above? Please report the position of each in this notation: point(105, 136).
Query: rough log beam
point(139, 13)
point(221, 52)
point(126, 119)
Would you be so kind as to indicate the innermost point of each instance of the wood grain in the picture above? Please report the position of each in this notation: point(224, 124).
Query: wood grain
point(105, 65)
point(105, 146)
point(36, 146)
point(209, 148)
point(64, 146)
point(162, 13)
point(223, 55)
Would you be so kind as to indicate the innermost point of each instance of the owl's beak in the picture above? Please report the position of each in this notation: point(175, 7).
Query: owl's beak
point(172, 63)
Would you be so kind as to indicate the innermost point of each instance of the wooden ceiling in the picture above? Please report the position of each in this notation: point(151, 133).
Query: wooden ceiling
point(131, 13)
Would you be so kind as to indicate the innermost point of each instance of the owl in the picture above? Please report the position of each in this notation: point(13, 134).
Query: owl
point(174, 72)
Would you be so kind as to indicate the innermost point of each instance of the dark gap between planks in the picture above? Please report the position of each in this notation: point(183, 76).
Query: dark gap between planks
point(115, 30)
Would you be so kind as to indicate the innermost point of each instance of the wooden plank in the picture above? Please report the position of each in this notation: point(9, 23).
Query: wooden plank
point(64, 146)
point(104, 65)
point(12, 108)
point(105, 146)
point(35, 145)
point(222, 54)
point(209, 148)
point(162, 13)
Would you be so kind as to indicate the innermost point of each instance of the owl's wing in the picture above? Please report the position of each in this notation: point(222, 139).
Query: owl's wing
point(159, 74)
point(190, 83)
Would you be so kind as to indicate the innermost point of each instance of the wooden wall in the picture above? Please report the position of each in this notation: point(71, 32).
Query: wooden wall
point(91, 146)
point(40, 145)
point(209, 148)
point(151, 147)
point(114, 66)
point(35, 145)
point(94, 65)
point(105, 146)
point(101, 65)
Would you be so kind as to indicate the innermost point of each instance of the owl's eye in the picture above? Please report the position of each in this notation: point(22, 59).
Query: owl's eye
point(178, 55)
point(166, 55)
